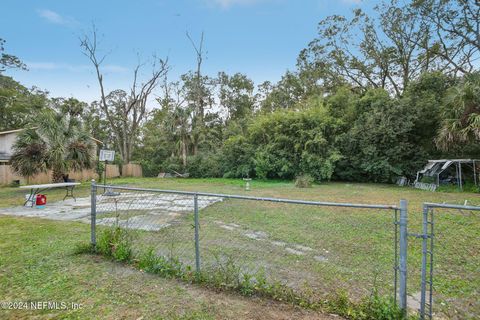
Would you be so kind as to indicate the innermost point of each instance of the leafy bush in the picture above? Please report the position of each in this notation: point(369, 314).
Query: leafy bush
point(379, 308)
point(289, 143)
point(172, 164)
point(115, 243)
point(152, 263)
point(274, 164)
point(227, 275)
point(319, 167)
point(204, 166)
point(381, 145)
point(150, 168)
point(304, 181)
point(237, 158)
point(100, 170)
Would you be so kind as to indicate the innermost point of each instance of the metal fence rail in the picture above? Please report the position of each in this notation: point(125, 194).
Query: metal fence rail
point(310, 246)
point(450, 264)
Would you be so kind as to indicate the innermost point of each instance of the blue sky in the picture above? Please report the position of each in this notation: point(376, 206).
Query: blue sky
point(260, 38)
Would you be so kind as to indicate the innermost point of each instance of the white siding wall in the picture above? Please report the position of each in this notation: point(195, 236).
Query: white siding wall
point(6, 142)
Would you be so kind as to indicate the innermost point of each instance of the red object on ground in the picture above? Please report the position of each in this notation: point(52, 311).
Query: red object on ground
point(41, 200)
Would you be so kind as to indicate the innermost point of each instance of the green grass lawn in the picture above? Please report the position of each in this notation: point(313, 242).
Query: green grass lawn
point(333, 249)
point(38, 263)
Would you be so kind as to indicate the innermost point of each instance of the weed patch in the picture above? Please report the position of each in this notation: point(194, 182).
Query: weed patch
point(304, 181)
point(226, 275)
point(116, 243)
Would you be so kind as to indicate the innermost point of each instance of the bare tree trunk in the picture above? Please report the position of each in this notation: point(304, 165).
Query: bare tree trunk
point(195, 149)
point(57, 175)
point(132, 105)
point(198, 121)
point(184, 153)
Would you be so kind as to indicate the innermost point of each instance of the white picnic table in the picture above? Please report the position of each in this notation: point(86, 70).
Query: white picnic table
point(37, 188)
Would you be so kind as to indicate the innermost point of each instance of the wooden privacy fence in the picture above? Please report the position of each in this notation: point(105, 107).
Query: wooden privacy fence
point(132, 170)
point(7, 175)
point(112, 171)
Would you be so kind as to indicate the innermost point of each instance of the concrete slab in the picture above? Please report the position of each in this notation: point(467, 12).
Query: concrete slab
point(135, 210)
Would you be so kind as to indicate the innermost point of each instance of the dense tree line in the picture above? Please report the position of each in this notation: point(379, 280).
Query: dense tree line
point(349, 134)
point(372, 98)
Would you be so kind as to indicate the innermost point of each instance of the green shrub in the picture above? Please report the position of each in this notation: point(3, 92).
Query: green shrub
point(373, 307)
point(115, 243)
point(304, 181)
point(84, 248)
point(227, 275)
point(382, 141)
point(100, 170)
point(237, 158)
point(204, 166)
point(152, 263)
point(150, 168)
point(289, 143)
point(379, 308)
point(172, 164)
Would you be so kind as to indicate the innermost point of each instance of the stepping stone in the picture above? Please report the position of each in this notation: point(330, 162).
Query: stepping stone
point(257, 235)
point(293, 251)
point(302, 248)
point(321, 258)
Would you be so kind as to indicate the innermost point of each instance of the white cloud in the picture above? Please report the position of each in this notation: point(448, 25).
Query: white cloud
point(55, 18)
point(52, 66)
point(225, 4)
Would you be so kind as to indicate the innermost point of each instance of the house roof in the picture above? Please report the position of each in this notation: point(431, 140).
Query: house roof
point(96, 140)
point(11, 131)
point(19, 130)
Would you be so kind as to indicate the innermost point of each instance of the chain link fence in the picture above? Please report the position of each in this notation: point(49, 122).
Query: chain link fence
point(310, 248)
point(316, 249)
point(450, 286)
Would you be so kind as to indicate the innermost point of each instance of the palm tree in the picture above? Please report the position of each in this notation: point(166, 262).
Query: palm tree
point(178, 125)
point(461, 114)
point(57, 142)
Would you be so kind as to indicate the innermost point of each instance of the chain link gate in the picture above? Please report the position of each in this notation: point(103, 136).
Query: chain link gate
point(457, 268)
point(252, 234)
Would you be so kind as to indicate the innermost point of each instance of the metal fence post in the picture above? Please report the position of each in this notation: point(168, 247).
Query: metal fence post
point(93, 213)
point(197, 227)
point(424, 261)
point(403, 256)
